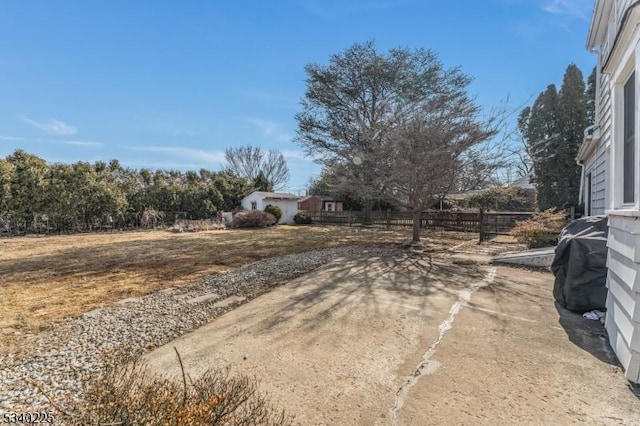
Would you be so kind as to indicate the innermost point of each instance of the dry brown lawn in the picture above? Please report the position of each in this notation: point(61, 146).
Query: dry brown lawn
point(47, 279)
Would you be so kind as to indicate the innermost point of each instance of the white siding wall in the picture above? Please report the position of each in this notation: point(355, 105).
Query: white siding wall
point(603, 107)
point(623, 299)
point(597, 164)
point(599, 181)
point(289, 207)
point(255, 196)
point(623, 260)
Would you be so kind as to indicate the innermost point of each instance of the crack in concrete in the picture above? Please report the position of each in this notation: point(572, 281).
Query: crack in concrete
point(426, 365)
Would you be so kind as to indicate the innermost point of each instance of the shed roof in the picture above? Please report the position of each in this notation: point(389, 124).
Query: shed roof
point(322, 197)
point(524, 182)
point(274, 195)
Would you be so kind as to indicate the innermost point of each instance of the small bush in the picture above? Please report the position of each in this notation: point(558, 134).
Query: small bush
point(252, 219)
point(129, 395)
point(184, 225)
point(152, 218)
point(541, 230)
point(275, 211)
point(302, 219)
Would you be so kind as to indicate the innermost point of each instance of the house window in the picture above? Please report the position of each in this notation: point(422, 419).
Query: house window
point(329, 207)
point(628, 152)
point(254, 205)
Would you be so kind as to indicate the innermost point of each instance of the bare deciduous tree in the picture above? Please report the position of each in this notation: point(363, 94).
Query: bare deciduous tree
point(401, 125)
point(250, 161)
point(434, 147)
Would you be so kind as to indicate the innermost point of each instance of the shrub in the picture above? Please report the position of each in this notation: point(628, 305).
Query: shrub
point(541, 230)
point(185, 225)
point(511, 198)
point(151, 218)
point(275, 211)
point(128, 394)
point(252, 219)
point(302, 219)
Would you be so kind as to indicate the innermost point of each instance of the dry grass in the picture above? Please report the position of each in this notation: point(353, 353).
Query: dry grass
point(48, 279)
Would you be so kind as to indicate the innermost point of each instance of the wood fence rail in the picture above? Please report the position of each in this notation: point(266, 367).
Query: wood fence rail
point(493, 223)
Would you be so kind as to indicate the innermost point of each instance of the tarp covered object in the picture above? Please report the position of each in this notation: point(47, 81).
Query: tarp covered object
point(580, 265)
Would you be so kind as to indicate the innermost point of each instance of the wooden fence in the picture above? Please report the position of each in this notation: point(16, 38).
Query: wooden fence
point(493, 223)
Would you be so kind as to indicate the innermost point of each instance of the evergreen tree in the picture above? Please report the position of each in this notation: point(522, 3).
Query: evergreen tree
point(261, 183)
point(539, 125)
point(573, 120)
point(591, 97)
point(553, 129)
point(36, 196)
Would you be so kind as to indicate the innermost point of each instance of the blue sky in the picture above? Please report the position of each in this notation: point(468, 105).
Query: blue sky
point(171, 84)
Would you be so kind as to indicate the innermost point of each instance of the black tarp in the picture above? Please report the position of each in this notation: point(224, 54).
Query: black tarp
point(580, 266)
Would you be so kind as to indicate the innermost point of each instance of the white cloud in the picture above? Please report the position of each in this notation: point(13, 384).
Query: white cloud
point(270, 99)
point(83, 143)
point(270, 129)
point(578, 9)
point(10, 138)
point(200, 155)
point(55, 141)
point(295, 155)
point(50, 127)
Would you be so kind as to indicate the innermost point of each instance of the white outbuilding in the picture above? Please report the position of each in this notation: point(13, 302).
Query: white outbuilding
point(259, 200)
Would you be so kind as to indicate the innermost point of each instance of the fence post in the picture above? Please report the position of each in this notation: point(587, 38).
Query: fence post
point(388, 219)
point(481, 226)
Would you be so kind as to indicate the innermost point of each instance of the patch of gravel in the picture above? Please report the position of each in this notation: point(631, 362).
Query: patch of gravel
point(61, 357)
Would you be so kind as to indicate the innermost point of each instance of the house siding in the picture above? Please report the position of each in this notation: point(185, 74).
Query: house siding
point(598, 190)
point(623, 258)
point(597, 193)
point(598, 162)
point(623, 299)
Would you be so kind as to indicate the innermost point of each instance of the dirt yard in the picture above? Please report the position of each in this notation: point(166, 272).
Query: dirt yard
point(47, 279)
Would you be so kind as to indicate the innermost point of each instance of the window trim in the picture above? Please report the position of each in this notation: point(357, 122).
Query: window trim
point(628, 141)
point(616, 166)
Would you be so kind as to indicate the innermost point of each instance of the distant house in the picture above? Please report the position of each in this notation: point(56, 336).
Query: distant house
point(316, 203)
point(525, 182)
point(610, 155)
point(259, 200)
point(458, 197)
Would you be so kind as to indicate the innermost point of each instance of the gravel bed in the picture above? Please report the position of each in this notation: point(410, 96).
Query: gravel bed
point(60, 357)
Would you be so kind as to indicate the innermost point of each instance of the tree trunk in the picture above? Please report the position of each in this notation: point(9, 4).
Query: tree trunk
point(368, 205)
point(416, 226)
point(481, 225)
